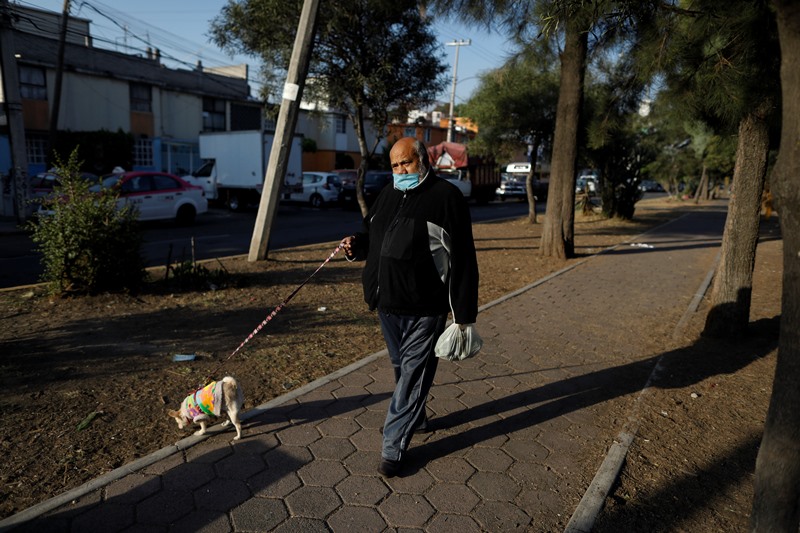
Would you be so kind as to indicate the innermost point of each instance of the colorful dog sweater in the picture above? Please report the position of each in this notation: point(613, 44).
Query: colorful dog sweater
point(203, 402)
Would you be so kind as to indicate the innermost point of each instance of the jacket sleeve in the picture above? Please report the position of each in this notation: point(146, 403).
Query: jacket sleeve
point(463, 265)
point(361, 243)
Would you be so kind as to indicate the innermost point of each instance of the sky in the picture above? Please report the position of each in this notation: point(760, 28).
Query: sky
point(179, 28)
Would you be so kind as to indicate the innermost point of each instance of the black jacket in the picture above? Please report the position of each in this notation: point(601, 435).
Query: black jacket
point(420, 253)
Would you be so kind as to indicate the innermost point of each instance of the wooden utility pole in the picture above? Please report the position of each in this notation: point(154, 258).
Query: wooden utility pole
point(451, 124)
point(284, 130)
point(62, 40)
point(16, 127)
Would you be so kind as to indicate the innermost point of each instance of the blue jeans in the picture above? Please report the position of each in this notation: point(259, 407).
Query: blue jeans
point(410, 341)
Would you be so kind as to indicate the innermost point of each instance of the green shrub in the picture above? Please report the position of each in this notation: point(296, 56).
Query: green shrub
point(87, 244)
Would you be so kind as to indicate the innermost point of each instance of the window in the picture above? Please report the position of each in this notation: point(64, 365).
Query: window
point(410, 132)
point(427, 135)
point(137, 184)
point(32, 83)
point(36, 146)
point(143, 152)
point(164, 183)
point(141, 97)
point(310, 179)
point(245, 117)
point(341, 124)
point(213, 114)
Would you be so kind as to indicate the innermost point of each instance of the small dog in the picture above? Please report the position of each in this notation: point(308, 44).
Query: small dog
point(224, 396)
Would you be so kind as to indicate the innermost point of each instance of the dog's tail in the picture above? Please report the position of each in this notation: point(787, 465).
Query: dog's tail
point(235, 385)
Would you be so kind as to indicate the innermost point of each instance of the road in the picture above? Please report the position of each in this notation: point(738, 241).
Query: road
point(222, 233)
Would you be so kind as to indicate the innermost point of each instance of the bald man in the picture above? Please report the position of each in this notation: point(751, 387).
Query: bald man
point(420, 265)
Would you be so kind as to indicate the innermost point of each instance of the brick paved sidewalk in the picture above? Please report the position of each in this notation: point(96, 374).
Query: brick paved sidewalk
point(519, 431)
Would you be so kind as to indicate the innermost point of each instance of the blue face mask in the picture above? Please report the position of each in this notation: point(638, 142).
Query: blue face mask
point(404, 182)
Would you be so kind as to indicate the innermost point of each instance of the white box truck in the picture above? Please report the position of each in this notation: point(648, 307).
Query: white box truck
point(234, 165)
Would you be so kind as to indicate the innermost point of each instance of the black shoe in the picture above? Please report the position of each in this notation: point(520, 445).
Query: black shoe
point(389, 468)
point(424, 427)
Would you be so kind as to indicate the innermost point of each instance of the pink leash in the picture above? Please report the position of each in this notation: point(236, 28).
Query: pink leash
point(281, 305)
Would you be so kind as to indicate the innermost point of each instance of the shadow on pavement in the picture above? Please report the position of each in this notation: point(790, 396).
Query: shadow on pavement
point(562, 397)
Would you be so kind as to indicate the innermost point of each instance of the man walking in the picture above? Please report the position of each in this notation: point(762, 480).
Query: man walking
point(420, 264)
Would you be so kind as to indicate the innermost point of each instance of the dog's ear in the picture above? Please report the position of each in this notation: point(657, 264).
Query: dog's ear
point(173, 414)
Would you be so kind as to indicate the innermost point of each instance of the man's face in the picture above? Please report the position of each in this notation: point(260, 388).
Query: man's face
point(404, 159)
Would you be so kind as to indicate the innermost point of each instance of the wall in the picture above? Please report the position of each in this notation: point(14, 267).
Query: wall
point(325, 160)
point(180, 115)
point(321, 127)
point(90, 103)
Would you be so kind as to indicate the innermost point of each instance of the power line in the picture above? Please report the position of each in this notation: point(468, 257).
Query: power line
point(489, 55)
point(161, 35)
point(477, 53)
point(154, 36)
point(130, 48)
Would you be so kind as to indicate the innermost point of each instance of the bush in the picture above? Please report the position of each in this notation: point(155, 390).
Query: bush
point(87, 244)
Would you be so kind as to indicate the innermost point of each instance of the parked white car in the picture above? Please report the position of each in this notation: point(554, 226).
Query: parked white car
point(587, 184)
point(157, 195)
point(317, 189)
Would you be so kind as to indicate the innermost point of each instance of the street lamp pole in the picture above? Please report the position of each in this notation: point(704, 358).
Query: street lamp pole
point(451, 123)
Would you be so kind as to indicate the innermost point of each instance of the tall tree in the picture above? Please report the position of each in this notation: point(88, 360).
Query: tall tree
point(619, 142)
point(514, 106)
point(776, 501)
point(570, 22)
point(525, 21)
point(725, 68)
point(558, 232)
point(720, 62)
point(371, 57)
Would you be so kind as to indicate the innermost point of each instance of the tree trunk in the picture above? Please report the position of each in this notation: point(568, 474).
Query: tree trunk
point(704, 188)
point(733, 282)
point(700, 193)
point(529, 182)
point(777, 480)
point(361, 135)
point(558, 231)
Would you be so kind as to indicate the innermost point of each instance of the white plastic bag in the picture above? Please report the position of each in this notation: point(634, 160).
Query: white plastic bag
point(456, 344)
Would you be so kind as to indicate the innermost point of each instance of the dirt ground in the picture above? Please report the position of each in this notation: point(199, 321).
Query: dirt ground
point(87, 380)
point(691, 466)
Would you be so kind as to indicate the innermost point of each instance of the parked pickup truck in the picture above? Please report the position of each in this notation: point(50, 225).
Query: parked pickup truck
point(475, 177)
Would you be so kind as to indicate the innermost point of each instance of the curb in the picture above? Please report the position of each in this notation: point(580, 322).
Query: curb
point(590, 506)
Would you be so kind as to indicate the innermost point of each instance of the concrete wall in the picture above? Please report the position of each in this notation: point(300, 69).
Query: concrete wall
point(91, 103)
point(178, 115)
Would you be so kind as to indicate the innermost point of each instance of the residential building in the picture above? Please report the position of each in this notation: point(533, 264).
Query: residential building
point(431, 128)
point(335, 144)
point(163, 109)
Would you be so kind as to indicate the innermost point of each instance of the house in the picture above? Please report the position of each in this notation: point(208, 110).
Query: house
point(431, 128)
point(163, 109)
point(335, 144)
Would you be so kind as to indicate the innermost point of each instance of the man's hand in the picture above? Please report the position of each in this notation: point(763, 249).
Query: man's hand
point(347, 245)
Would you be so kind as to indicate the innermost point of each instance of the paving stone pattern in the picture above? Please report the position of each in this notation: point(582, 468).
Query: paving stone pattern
point(518, 431)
